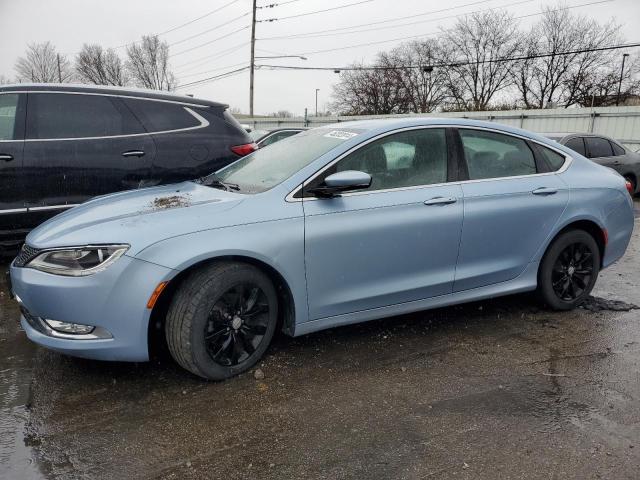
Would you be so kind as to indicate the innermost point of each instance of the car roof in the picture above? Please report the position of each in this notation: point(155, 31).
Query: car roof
point(109, 90)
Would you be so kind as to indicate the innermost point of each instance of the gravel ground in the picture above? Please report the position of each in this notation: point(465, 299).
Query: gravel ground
point(496, 389)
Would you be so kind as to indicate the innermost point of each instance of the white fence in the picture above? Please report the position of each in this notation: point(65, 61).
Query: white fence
point(621, 123)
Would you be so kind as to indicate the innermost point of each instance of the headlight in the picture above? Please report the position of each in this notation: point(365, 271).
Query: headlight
point(77, 262)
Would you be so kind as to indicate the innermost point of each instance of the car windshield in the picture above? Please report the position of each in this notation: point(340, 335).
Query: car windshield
point(268, 167)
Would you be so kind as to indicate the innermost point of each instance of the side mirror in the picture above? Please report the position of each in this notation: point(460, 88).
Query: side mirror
point(342, 182)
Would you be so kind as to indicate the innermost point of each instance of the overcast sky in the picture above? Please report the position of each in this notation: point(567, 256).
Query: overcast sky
point(70, 23)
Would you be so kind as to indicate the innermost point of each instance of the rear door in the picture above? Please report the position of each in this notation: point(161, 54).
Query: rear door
point(79, 146)
point(511, 203)
point(12, 201)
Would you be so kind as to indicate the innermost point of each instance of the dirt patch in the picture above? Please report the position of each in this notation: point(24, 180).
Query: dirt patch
point(597, 304)
point(174, 201)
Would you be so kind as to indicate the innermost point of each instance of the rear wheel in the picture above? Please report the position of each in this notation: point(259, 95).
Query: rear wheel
point(222, 320)
point(569, 270)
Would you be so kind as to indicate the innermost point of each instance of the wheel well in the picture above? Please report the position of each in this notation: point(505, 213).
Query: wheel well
point(155, 334)
point(592, 229)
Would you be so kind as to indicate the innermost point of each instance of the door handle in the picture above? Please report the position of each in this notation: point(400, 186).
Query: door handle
point(440, 201)
point(6, 157)
point(544, 191)
point(133, 153)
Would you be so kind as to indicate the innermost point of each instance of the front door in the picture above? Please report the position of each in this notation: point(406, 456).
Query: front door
point(510, 208)
point(393, 243)
point(79, 146)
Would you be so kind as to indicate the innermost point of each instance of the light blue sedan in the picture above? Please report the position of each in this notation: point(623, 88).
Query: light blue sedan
point(335, 225)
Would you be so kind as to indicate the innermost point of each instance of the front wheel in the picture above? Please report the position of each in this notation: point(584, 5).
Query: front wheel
point(569, 270)
point(222, 320)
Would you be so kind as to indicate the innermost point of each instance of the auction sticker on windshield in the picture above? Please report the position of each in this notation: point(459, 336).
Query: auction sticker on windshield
point(341, 134)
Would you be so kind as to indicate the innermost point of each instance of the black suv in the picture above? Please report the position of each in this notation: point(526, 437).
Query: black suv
point(63, 144)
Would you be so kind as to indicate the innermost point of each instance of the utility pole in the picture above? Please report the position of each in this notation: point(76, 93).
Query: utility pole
point(252, 65)
point(59, 71)
point(624, 57)
point(317, 90)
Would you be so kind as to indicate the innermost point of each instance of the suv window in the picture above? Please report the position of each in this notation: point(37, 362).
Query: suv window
point(598, 147)
point(405, 159)
point(8, 108)
point(61, 115)
point(162, 116)
point(495, 155)
point(617, 149)
point(576, 144)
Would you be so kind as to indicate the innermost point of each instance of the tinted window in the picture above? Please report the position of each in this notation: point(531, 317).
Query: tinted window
point(58, 115)
point(598, 147)
point(406, 159)
point(162, 116)
point(617, 149)
point(267, 167)
point(554, 159)
point(8, 107)
point(577, 145)
point(494, 155)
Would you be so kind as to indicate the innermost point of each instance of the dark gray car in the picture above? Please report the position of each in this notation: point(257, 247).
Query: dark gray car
point(605, 151)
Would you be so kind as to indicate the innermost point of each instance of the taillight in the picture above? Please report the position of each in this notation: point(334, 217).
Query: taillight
point(245, 149)
point(629, 187)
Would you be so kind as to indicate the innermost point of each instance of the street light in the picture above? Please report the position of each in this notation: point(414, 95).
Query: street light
point(285, 56)
point(624, 57)
point(317, 90)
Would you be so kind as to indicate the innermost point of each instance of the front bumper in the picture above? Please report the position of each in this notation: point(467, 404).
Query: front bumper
point(114, 301)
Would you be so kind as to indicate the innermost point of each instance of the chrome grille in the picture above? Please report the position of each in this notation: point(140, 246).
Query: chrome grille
point(26, 254)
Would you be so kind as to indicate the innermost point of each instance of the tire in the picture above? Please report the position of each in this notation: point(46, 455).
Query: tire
point(562, 281)
point(221, 320)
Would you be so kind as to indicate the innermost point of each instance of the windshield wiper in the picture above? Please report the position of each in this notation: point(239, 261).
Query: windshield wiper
point(215, 183)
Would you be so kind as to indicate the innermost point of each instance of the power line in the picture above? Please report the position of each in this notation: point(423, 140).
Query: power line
point(220, 54)
point(272, 5)
point(455, 63)
point(209, 42)
point(315, 12)
point(347, 47)
point(375, 23)
point(210, 29)
point(410, 23)
point(207, 72)
point(215, 77)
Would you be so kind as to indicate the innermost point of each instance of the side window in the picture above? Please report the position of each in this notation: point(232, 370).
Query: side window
point(494, 155)
point(60, 115)
point(617, 149)
point(598, 147)
point(554, 159)
point(162, 116)
point(405, 159)
point(8, 109)
point(576, 144)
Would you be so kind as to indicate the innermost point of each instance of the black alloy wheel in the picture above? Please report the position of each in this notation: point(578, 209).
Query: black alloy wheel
point(569, 270)
point(572, 272)
point(237, 324)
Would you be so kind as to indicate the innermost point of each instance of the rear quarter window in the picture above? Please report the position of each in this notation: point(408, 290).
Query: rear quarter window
point(162, 116)
point(553, 159)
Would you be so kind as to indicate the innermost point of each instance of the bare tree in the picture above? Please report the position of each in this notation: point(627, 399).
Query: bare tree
point(99, 66)
point(559, 66)
point(599, 87)
point(43, 64)
point(148, 64)
point(481, 42)
point(423, 87)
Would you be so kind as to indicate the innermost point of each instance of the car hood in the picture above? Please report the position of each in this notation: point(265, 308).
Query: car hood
point(138, 217)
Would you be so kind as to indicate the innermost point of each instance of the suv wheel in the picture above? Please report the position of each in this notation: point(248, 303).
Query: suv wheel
point(222, 320)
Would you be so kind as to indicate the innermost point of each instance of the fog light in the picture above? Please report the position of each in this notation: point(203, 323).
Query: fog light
point(65, 327)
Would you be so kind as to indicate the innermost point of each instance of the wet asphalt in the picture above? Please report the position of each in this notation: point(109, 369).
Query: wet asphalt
point(490, 390)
